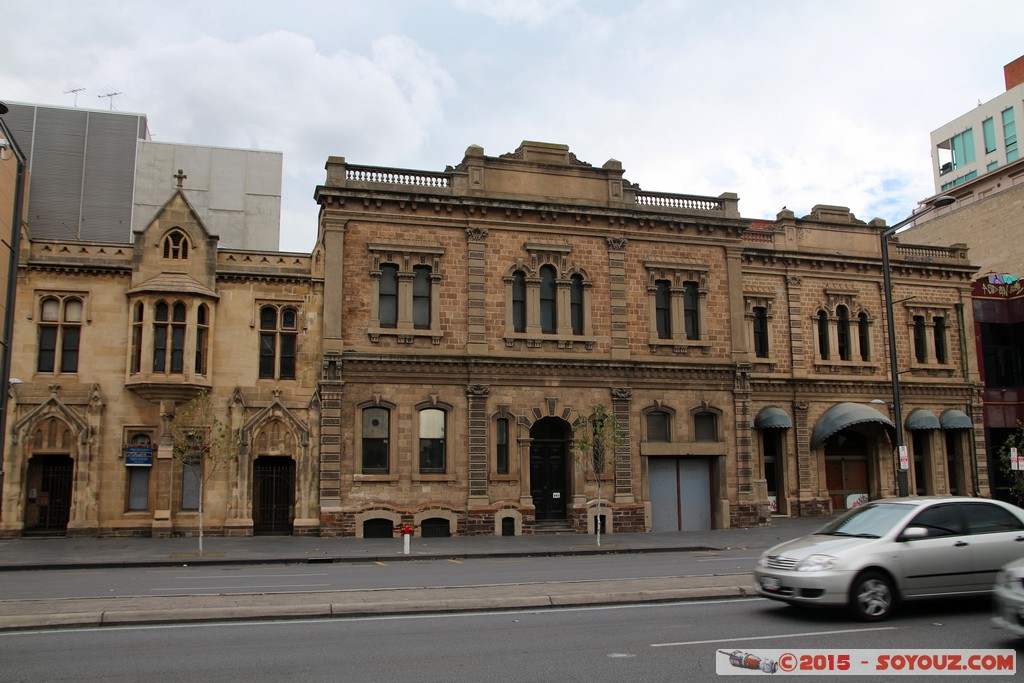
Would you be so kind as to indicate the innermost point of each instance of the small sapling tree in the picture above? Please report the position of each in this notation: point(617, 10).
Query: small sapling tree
point(596, 438)
point(203, 446)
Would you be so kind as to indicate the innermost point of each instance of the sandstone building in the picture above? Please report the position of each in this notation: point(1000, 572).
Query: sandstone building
point(430, 362)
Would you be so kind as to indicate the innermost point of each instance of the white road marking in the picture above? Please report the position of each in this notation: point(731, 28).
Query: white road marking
point(250, 576)
point(776, 636)
point(246, 587)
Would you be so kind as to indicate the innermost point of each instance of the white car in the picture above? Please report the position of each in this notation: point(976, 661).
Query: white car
point(891, 550)
point(1008, 598)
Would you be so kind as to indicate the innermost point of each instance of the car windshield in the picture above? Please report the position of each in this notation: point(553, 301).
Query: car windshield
point(870, 521)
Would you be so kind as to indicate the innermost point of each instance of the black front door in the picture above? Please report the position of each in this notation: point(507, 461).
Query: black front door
point(548, 480)
point(49, 494)
point(273, 495)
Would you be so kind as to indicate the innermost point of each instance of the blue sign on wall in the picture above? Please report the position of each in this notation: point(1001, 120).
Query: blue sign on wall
point(138, 456)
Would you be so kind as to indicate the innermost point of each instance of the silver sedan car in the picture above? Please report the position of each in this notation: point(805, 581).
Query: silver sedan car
point(1008, 598)
point(890, 550)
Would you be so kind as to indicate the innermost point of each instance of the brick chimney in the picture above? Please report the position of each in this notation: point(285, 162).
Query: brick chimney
point(1013, 73)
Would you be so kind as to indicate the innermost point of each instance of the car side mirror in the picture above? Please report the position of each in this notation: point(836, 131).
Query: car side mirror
point(913, 532)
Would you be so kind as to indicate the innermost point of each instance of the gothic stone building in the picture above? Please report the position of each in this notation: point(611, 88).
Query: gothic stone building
point(110, 338)
point(434, 359)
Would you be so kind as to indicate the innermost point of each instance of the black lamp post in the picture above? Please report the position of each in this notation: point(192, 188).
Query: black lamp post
point(897, 413)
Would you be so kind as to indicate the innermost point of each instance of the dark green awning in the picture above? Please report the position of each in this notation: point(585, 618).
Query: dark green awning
point(922, 419)
point(955, 419)
point(843, 415)
point(772, 418)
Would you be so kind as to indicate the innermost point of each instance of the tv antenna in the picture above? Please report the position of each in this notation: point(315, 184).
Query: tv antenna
point(75, 92)
point(111, 95)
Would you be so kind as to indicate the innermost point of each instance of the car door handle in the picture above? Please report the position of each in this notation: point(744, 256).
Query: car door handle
point(961, 544)
point(1019, 539)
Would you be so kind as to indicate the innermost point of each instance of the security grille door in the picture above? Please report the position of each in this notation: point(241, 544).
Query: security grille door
point(54, 495)
point(273, 495)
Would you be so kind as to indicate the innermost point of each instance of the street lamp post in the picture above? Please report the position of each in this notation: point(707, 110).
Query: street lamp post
point(897, 413)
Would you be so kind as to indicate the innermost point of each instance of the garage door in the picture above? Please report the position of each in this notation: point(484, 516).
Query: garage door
point(680, 491)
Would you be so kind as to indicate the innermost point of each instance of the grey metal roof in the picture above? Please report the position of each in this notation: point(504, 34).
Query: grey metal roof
point(843, 415)
point(772, 418)
point(922, 419)
point(955, 419)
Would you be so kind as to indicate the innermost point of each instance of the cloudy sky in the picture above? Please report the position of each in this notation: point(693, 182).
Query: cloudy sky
point(785, 102)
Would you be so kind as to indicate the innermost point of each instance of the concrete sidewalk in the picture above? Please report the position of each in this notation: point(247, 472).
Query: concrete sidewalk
point(34, 554)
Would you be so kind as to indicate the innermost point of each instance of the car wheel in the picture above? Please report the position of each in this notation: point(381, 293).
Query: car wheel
point(872, 597)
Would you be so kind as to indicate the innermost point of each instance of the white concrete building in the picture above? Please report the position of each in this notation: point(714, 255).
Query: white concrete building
point(982, 140)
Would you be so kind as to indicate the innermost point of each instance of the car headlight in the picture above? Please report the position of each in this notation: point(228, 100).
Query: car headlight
point(817, 563)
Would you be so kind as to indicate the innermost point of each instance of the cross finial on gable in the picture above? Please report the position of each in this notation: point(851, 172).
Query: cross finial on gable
point(180, 175)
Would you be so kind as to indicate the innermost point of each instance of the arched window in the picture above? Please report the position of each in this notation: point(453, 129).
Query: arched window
point(823, 350)
point(576, 303)
point(939, 332)
point(202, 338)
point(705, 426)
point(421, 284)
point(548, 312)
point(663, 308)
point(843, 331)
point(432, 441)
point(920, 342)
point(161, 318)
point(278, 335)
point(760, 331)
point(176, 245)
point(376, 433)
point(137, 318)
point(388, 304)
point(60, 328)
point(519, 301)
point(178, 338)
point(658, 426)
point(691, 315)
point(169, 337)
point(501, 445)
point(864, 336)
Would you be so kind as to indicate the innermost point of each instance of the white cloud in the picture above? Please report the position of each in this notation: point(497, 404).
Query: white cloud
point(792, 102)
point(528, 12)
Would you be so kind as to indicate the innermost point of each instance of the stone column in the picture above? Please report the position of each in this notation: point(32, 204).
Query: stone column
point(622, 399)
point(479, 468)
point(331, 394)
point(619, 297)
point(476, 286)
point(799, 345)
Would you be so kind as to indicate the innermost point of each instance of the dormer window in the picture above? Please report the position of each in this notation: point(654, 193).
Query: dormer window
point(176, 246)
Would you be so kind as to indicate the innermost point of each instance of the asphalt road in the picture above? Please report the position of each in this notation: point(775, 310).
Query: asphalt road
point(186, 580)
point(666, 642)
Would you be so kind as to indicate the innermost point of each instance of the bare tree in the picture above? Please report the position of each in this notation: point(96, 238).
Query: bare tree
point(203, 445)
point(594, 437)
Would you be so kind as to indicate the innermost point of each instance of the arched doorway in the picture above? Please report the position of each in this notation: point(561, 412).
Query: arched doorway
point(48, 495)
point(273, 495)
point(549, 471)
